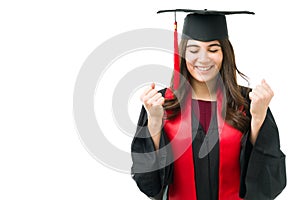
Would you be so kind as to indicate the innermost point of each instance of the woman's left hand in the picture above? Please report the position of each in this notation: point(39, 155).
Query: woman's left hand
point(260, 98)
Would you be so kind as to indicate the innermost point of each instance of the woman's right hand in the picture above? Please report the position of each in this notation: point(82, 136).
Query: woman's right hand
point(153, 102)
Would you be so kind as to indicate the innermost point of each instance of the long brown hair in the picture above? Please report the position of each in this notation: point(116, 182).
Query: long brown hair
point(236, 103)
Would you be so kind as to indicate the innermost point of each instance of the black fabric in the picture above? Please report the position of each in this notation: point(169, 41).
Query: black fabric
point(206, 167)
point(207, 12)
point(266, 171)
point(205, 25)
point(263, 172)
point(151, 182)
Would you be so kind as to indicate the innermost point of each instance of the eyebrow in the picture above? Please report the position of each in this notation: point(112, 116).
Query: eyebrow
point(211, 45)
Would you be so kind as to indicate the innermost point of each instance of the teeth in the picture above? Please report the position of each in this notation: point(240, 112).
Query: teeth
point(203, 68)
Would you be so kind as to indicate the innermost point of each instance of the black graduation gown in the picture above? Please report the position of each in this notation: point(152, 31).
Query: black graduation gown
point(263, 172)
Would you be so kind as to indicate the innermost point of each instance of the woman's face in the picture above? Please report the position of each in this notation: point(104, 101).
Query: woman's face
point(203, 59)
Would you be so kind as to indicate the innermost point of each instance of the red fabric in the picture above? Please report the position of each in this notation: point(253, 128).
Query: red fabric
point(176, 58)
point(183, 186)
point(179, 131)
point(229, 165)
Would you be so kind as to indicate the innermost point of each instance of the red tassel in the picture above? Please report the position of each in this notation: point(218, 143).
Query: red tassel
point(176, 59)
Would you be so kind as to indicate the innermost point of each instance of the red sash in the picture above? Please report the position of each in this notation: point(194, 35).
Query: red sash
point(179, 131)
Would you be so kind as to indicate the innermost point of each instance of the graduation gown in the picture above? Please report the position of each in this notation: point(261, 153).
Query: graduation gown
point(261, 174)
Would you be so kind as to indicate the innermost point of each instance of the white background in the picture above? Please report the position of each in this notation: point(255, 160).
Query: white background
point(43, 45)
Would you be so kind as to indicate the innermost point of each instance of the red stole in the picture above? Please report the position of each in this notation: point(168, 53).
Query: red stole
point(179, 131)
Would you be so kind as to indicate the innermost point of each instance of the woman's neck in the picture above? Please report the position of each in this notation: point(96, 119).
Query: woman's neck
point(204, 90)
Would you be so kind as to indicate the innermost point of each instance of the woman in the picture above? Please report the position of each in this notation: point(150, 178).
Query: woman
point(208, 138)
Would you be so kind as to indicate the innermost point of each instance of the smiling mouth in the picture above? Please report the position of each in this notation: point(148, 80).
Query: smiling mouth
point(203, 68)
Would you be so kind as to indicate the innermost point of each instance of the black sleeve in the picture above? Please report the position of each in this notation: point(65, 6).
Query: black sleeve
point(263, 171)
point(151, 169)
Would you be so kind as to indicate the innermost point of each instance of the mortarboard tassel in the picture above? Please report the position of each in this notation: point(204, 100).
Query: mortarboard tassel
point(176, 58)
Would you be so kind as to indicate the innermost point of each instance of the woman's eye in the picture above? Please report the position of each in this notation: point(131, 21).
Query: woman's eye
point(194, 50)
point(213, 50)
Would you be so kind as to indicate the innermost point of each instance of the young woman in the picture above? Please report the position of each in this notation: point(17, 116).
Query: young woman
point(209, 138)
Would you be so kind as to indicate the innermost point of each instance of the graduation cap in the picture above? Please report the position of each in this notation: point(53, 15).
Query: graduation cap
point(203, 25)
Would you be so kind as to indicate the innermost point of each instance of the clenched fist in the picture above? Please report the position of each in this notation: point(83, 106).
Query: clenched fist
point(153, 103)
point(260, 98)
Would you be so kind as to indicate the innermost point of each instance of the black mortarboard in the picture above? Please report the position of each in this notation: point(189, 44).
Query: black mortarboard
point(205, 25)
point(202, 25)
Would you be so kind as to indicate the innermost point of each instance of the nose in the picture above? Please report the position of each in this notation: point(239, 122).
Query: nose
point(203, 57)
